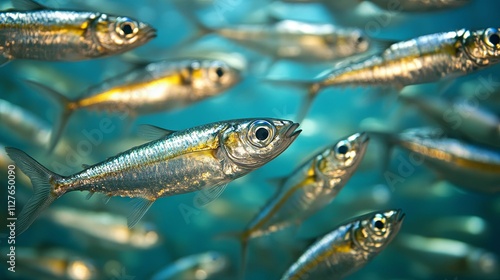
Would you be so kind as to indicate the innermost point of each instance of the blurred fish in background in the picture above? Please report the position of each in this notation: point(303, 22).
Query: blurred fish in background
point(420, 77)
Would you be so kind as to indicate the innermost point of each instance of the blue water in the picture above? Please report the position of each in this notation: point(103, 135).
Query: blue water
point(335, 113)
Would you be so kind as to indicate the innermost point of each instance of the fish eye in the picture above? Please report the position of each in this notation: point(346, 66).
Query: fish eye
point(360, 39)
point(126, 28)
point(378, 223)
point(491, 37)
point(219, 72)
point(261, 133)
point(342, 148)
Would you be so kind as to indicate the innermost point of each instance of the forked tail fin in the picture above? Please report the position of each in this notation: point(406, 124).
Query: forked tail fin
point(312, 89)
point(42, 180)
point(66, 112)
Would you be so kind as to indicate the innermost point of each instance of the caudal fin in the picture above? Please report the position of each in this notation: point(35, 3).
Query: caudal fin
point(66, 112)
point(311, 87)
point(41, 179)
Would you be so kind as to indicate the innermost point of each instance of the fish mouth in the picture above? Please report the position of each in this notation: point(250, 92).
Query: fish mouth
point(150, 33)
point(291, 133)
point(400, 216)
point(363, 137)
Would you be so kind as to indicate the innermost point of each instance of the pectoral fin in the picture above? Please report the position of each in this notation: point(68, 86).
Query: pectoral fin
point(3, 60)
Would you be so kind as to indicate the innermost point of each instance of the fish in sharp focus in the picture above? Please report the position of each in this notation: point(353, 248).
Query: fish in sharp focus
point(154, 87)
point(105, 228)
point(33, 31)
point(177, 162)
point(308, 189)
point(424, 59)
point(347, 248)
point(470, 167)
point(419, 5)
point(447, 257)
point(195, 267)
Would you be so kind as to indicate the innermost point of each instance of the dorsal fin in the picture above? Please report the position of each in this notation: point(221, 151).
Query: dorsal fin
point(27, 5)
point(151, 132)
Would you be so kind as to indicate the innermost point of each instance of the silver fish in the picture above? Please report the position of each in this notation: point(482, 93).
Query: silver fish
point(459, 117)
point(36, 32)
point(447, 257)
point(424, 59)
point(106, 228)
point(177, 162)
point(470, 167)
point(290, 39)
point(52, 263)
point(154, 87)
point(419, 5)
point(195, 267)
point(308, 189)
point(301, 41)
point(348, 248)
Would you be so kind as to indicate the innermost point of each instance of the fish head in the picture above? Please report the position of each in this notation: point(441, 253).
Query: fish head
point(344, 157)
point(213, 262)
point(210, 77)
point(377, 229)
point(348, 42)
point(253, 142)
point(483, 46)
point(120, 34)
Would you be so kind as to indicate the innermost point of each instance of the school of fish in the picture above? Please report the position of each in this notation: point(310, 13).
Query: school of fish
point(156, 141)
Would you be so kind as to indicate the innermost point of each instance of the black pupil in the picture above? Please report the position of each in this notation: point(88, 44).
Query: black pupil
point(127, 28)
point(360, 39)
point(342, 149)
point(379, 224)
point(261, 134)
point(219, 72)
point(494, 39)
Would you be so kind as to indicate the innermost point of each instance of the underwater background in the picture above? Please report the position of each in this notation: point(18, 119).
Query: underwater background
point(429, 203)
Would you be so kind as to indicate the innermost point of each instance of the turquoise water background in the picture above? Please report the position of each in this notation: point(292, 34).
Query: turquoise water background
point(335, 113)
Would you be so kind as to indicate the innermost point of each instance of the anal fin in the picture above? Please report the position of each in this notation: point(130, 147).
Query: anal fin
point(140, 208)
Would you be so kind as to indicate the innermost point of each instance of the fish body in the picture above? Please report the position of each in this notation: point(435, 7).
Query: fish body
point(300, 40)
point(419, 5)
point(460, 117)
point(424, 59)
point(176, 163)
point(106, 228)
point(311, 187)
point(24, 124)
point(347, 248)
point(155, 87)
point(449, 257)
point(56, 35)
point(53, 263)
point(160, 86)
point(196, 267)
point(468, 166)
